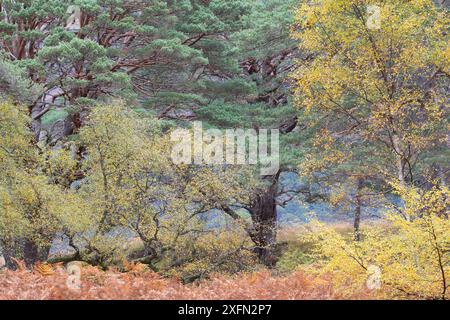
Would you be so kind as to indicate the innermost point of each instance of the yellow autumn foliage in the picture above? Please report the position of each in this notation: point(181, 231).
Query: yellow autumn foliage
point(411, 248)
point(129, 185)
point(383, 85)
point(32, 209)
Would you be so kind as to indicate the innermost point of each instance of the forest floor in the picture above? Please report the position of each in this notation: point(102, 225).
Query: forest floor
point(109, 285)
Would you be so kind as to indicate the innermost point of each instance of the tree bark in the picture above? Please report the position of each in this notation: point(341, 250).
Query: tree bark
point(264, 217)
point(33, 254)
point(9, 263)
point(357, 220)
point(25, 250)
point(399, 159)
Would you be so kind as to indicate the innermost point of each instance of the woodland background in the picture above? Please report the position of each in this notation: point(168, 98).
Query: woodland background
point(91, 90)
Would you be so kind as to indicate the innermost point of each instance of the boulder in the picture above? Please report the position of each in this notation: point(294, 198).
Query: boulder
point(48, 110)
point(42, 139)
point(60, 129)
point(180, 114)
point(76, 185)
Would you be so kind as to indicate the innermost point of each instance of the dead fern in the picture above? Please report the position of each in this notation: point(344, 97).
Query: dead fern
point(133, 285)
point(44, 269)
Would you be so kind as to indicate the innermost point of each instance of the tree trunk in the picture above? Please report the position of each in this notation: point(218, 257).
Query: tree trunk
point(25, 250)
point(8, 255)
point(401, 170)
point(264, 218)
point(399, 159)
point(33, 254)
point(357, 221)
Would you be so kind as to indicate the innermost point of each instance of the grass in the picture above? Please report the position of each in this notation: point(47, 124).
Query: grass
point(53, 116)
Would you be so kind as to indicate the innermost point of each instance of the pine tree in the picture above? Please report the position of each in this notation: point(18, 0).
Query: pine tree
point(92, 50)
